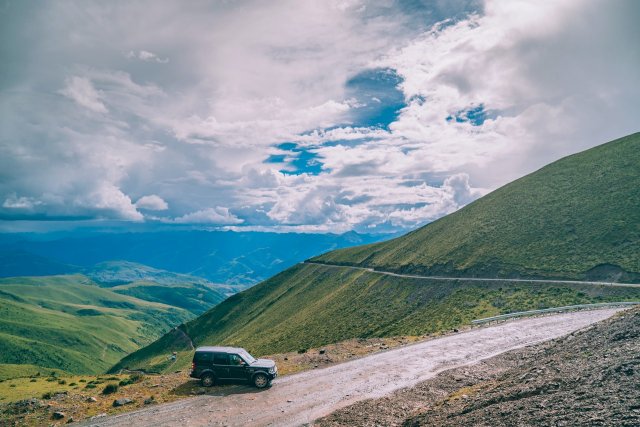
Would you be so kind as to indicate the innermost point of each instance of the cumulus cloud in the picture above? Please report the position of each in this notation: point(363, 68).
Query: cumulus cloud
point(255, 114)
point(215, 216)
point(152, 202)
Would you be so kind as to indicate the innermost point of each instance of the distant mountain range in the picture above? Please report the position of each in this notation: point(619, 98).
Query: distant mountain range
point(577, 218)
point(240, 259)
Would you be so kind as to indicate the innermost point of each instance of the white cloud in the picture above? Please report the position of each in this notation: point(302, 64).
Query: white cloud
point(217, 216)
point(15, 202)
point(82, 92)
point(553, 78)
point(152, 202)
point(146, 56)
point(111, 202)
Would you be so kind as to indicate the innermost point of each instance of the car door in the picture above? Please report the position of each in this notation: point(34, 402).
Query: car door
point(237, 367)
point(221, 365)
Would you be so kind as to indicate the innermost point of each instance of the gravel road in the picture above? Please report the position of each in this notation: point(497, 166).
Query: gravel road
point(301, 398)
point(478, 279)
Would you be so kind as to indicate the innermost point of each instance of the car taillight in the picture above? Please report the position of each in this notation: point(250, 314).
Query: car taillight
point(193, 366)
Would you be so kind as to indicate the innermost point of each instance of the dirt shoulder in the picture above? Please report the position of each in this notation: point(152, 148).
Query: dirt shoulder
point(588, 377)
point(301, 398)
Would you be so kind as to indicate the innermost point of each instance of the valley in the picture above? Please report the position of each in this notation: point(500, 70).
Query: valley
point(69, 323)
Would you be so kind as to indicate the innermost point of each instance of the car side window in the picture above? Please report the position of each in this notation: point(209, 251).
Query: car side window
point(220, 359)
point(235, 360)
point(203, 357)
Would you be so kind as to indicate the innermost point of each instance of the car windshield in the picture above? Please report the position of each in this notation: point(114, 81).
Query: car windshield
point(247, 357)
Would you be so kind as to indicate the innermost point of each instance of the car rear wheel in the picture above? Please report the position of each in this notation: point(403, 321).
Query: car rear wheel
point(207, 380)
point(260, 380)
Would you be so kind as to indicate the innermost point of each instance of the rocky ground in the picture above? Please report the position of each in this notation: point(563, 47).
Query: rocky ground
point(590, 377)
point(56, 400)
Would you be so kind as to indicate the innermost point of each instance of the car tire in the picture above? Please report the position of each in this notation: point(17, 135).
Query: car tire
point(208, 380)
point(260, 380)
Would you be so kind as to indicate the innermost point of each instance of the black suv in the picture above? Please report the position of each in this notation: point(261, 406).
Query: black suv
point(212, 364)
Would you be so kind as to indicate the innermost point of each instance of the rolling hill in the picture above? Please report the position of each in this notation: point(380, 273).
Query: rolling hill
point(72, 324)
point(575, 218)
point(194, 294)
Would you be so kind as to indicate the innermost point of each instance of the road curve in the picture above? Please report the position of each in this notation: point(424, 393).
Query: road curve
point(301, 398)
point(478, 279)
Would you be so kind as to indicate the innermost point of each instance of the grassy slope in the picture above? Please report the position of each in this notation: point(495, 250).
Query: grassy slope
point(192, 297)
point(69, 323)
point(313, 305)
point(194, 294)
point(561, 221)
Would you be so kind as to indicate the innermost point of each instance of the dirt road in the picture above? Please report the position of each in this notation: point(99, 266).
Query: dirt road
point(478, 279)
point(301, 398)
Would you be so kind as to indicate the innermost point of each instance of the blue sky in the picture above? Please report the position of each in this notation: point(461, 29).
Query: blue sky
point(298, 116)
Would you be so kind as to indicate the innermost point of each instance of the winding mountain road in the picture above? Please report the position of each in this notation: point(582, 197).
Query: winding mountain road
point(301, 398)
point(478, 279)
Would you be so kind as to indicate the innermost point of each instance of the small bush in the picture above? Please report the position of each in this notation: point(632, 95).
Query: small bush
point(112, 379)
point(52, 379)
point(82, 380)
point(302, 351)
point(12, 385)
point(33, 380)
point(110, 388)
point(72, 384)
point(133, 378)
point(62, 382)
point(90, 386)
point(47, 395)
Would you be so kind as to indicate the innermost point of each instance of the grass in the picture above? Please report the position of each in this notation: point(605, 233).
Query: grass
point(576, 218)
point(74, 400)
point(70, 323)
point(190, 293)
point(8, 371)
point(313, 305)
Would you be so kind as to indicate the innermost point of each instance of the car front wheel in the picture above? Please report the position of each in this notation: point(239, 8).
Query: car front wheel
point(207, 380)
point(261, 381)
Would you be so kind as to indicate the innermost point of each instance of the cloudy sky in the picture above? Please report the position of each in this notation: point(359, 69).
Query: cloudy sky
point(332, 115)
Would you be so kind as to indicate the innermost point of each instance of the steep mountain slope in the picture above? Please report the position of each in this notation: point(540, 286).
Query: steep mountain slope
point(70, 323)
point(312, 305)
point(577, 218)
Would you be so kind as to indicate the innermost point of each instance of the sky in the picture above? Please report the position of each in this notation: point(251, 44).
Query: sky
point(307, 116)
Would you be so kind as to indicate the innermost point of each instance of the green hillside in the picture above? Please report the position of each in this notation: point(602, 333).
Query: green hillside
point(194, 294)
point(70, 323)
point(588, 201)
point(576, 218)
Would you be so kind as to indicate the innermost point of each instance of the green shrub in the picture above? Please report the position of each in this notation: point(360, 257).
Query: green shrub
point(133, 378)
point(110, 388)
